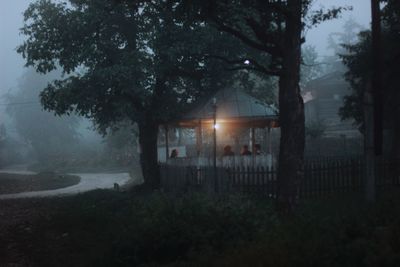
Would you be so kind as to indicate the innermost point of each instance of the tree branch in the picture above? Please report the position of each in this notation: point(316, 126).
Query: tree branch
point(272, 50)
point(279, 8)
point(183, 73)
point(256, 66)
point(261, 34)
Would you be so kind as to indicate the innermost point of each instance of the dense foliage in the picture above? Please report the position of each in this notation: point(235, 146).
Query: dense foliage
point(146, 61)
point(112, 229)
point(275, 30)
point(114, 52)
point(358, 60)
point(126, 61)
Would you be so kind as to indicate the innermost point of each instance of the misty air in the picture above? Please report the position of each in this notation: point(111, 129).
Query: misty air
point(199, 133)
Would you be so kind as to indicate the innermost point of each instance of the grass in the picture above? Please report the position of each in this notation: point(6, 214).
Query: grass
point(16, 183)
point(76, 166)
point(106, 228)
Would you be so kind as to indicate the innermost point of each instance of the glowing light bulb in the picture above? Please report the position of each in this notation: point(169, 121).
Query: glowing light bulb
point(216, 126)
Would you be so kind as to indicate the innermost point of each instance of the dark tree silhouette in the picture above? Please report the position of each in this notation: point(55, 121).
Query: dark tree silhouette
point(382, 105)
point(274, 29)
point(127, 60)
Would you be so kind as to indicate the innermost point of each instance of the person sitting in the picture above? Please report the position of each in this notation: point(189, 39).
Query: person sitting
point(245, 151)
point(174, 154)
point(257, 149)
point(228, 151)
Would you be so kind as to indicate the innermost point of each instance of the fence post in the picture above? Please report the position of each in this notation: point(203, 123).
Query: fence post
point(353, 175)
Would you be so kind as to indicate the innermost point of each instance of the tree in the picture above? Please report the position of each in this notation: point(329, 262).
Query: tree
point(49, 136)
point(120, 143)
point(310, 68)
point(274, 29)
point(348, 36)
point(336, 42)
point(261, 87)
point(127, 60)
point(358, 60)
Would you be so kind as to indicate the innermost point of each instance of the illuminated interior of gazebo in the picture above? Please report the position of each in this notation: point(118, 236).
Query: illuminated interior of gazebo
point(226, 112)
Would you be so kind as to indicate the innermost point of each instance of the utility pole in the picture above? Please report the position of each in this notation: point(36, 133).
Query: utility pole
point(373, 108)
point(215, 144)
point(377, 66)
point(369, 148)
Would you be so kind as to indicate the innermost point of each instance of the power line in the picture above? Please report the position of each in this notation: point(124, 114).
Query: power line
point(19, 103)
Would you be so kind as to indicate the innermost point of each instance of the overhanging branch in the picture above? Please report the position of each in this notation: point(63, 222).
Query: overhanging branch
point(261, 34)
point(180, 72)
point(255, 65)
point(267, 47)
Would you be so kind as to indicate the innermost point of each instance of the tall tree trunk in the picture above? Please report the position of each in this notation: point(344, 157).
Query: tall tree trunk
point(373, 108)
point(291, 114)
point(377, 76)
point(369, 148)
point(148, 134)
point(396, 142)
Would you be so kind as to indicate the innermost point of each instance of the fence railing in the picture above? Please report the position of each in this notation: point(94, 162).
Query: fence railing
point(322, 177)
point(225, 161)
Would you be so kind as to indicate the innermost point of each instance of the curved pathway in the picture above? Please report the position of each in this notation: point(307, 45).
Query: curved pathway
point(88, 182)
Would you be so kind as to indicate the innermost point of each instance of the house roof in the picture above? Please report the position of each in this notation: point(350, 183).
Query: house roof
point(233, 106)
point(335, 78)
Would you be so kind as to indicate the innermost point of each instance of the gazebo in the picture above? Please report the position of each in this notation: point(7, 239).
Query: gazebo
point(227, 109)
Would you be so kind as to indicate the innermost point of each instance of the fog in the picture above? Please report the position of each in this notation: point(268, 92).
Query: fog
point(12, 71)
point(12, 64)
point(318, 36)
point(11, 19)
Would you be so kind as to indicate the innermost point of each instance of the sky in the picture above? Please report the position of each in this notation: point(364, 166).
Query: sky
point(11, 63)
point(318, 36)
point(11, 19)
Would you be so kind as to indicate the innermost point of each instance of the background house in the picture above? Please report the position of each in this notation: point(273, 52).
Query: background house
point(323, 98)
point(327, 134)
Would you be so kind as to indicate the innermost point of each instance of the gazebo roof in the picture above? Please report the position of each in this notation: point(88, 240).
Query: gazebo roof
point(233, 106)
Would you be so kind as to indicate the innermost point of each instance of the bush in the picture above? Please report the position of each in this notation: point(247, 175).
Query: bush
point(165, 229)
point(330, 233)
point(105, 228)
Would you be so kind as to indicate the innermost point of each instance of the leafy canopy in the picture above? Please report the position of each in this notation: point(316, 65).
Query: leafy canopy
point(359, 63)
point(258, 24)
point(126, 59)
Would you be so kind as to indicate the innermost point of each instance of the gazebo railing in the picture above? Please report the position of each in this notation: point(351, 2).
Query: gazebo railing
point(265, 160)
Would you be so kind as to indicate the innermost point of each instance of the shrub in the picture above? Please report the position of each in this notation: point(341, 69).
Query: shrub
point(105, 228)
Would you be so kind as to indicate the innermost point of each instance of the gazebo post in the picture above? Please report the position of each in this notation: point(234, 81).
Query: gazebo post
point(199, 138)
point(265, 139)
point(270, 145)
point(253, 141)
point(166, 144)
point(269, 141)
